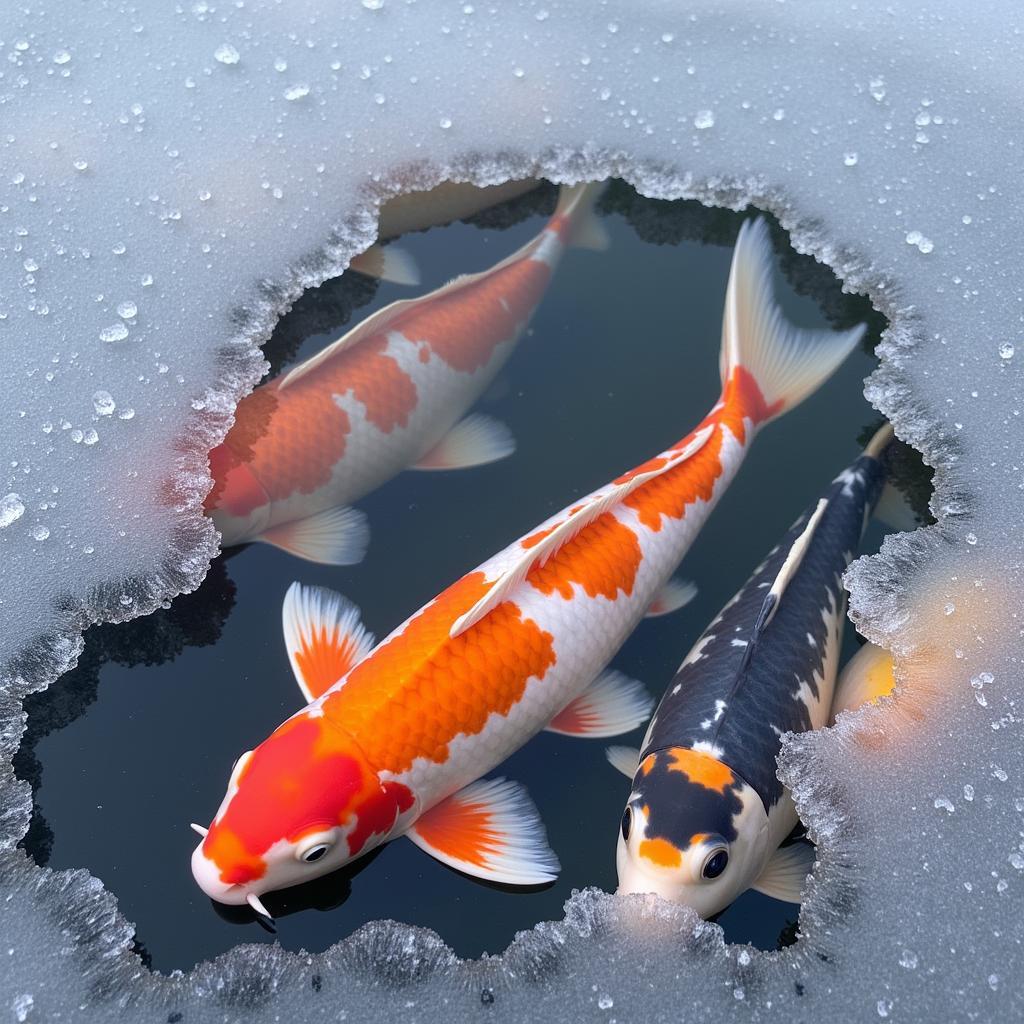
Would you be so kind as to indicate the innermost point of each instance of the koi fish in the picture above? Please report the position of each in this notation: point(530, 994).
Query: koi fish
point(707, 814)
point(417, 211)
point(865, 679)
point(396, 737)
point(387, 396)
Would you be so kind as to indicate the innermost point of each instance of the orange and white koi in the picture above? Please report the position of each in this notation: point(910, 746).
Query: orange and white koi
point(388, 396)
point(396, 737)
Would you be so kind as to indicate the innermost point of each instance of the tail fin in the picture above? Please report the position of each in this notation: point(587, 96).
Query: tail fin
point(880, 440)
point(788, 363)
point(892, 509)
point(576, 204)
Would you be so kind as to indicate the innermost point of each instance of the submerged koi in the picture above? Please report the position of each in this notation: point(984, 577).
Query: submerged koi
point(865, 679)
point(707, 813)
point(387, 396)
point(395, 738)
point(417, 211)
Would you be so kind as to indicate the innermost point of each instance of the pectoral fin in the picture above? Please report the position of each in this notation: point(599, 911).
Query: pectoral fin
point(474, 441)
point(786, 872)
point(624, 759)
point(336, 536)
point(490, 830)
point(611, 705)
point(675, 594)
point(323, 636)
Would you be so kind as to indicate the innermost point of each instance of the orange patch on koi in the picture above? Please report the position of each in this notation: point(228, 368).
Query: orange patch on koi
point(291, 440)
point(661, 852)
point(238, 864)
point(673, 491)
point(465, 327)
point(703, 769)
point(377, 381)
point(535, 538)
point(430, 688)
point(603, 559)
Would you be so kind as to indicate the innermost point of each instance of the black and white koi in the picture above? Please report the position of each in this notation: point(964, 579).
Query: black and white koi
point(707, 812)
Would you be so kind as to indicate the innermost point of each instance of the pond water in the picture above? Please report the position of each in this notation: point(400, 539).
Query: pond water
point(622, 359)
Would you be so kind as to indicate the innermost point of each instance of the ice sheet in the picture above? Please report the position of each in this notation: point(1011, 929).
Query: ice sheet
point(227, 151)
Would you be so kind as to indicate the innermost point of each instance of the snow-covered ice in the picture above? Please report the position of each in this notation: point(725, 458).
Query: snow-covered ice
point(171, 176)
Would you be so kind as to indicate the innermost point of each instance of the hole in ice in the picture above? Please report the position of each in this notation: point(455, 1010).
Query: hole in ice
point(620, 358)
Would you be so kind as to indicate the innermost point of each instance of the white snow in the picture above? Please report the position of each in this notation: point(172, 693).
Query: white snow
point(165, 193)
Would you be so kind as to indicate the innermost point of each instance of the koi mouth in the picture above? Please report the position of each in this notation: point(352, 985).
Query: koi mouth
point(220, 892)
point(257, 904)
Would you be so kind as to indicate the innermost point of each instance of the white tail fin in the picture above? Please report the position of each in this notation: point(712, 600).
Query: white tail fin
point(577, 203)
point(788, 363)
point(388, 263)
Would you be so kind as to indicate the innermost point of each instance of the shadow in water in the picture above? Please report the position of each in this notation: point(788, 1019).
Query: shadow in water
point(329, 892)
point(192, 620)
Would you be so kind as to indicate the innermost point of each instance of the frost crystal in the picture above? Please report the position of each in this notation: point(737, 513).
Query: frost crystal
point(226, 54)
point(103, 403)
point(155, 105)
point(11, 509)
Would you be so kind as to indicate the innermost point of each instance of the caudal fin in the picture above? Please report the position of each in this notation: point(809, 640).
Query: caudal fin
point(576, 203)
point(786, 362)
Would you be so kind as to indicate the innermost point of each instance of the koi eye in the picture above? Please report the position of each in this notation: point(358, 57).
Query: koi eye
point(314, 853)
point(715, 864)
point(627, 822)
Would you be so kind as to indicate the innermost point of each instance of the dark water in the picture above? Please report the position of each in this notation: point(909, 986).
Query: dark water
point(621, 361)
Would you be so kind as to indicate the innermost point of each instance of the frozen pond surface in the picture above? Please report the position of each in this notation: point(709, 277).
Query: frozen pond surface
point(623, 348)
point(165, 190)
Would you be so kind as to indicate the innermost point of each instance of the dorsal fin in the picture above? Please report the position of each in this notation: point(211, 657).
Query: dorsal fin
point(785, 574)
point(599, 503)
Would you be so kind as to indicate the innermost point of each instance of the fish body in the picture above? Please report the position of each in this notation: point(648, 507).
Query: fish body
point(707, 812)
point(518, 645)
point(387, 396)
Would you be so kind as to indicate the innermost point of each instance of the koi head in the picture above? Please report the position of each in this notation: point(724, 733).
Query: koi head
point(300, 805)
point(693, 832)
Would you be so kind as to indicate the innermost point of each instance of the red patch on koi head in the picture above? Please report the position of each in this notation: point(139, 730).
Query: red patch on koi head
point(305, 777)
